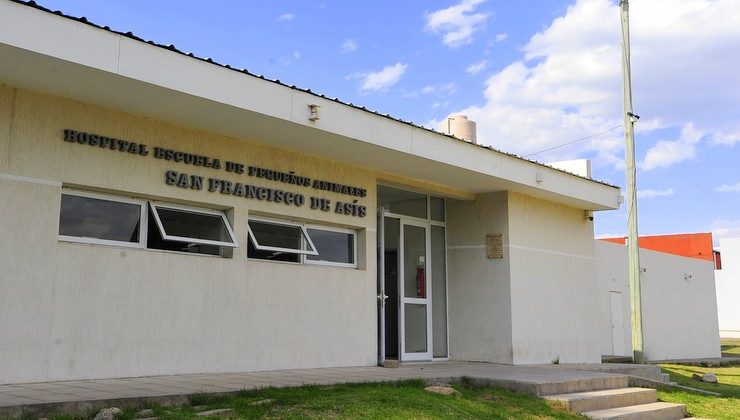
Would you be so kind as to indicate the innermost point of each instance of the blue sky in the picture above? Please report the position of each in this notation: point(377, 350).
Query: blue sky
point(534, 74)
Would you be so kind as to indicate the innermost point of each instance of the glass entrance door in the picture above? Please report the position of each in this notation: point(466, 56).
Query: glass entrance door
point(415, 292)
point(412, 276)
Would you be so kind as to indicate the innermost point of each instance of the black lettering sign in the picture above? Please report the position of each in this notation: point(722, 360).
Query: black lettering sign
point(238, 189)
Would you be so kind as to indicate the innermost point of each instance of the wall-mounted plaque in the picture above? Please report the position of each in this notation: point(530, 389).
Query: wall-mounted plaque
point(495, 246)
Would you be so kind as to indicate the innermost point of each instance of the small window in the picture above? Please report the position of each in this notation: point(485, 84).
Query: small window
point(334, 247)
point(437, 209)
point(101, 219)
point(276, 240)
point(188, 229)
point(402, 202)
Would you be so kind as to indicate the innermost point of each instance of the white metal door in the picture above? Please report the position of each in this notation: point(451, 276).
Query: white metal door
point(381, 287)
point(414, 287)
point(615, 302)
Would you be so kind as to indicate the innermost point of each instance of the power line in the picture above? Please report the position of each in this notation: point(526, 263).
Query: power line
point(575, 141)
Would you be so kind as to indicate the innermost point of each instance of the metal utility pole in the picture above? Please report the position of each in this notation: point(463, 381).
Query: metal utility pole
point(632, 238)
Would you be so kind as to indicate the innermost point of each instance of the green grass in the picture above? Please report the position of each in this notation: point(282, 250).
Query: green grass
point(731, 347)
point(404, 400)
point(725, 407)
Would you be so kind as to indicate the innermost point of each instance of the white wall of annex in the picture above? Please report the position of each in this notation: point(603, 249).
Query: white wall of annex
point(679, 304)
point(612, 276)
point(728, 288)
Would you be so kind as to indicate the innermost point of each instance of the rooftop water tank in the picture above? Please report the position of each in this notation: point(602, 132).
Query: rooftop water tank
point(461, 127)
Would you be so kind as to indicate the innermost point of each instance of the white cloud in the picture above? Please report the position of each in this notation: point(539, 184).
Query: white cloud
point(477, 67)
point(501, 37)
point(349, 45)
point(610, 235)
point(568, 83)
point(440, 90)
point(655, 193)
point(285, 17)
point(457, 24)
point(287, 60)
point(383, 79)
point(725, 228)
point(669, 152)
point(728, 188)
point(725, 138)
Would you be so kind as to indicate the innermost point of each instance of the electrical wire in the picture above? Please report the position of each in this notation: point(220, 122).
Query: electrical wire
point(575, 141)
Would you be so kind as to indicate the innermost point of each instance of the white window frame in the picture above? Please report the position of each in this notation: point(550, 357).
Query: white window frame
point(143, 220)
point(278, 222)
point(352, 232)
point(155, 206)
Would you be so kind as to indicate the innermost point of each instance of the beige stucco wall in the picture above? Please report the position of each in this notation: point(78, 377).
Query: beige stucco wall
point(553, 283)
point(535, 305)
point(478, 288)
point(76, 311)
point(72, 311)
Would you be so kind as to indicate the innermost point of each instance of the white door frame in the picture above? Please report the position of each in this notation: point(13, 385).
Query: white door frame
point(403, 300)
point(617, 323)
point(381, 287)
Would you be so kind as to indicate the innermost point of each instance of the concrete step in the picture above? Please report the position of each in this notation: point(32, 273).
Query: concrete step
point(391, 363)
point(581, 402)
point(570, 386)
point(616, 359)
point(651, 411)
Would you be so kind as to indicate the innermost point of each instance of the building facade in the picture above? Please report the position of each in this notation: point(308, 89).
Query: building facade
point(679, 302)
point(164, 214)
point(728, 288)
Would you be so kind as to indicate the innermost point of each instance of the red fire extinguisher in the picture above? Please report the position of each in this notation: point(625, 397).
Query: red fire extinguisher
point(421, 281)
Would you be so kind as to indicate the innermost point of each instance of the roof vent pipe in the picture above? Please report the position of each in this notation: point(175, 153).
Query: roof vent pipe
point(461, 127)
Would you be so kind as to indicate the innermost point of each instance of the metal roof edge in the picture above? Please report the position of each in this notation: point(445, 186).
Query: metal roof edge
point(172, 48)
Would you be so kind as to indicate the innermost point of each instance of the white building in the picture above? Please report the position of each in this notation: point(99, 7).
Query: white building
point(679, 304)
point(728, 288)
point(165, 214)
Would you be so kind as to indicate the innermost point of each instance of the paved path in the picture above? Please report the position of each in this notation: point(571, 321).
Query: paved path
point(715, 361)
point(76, 396)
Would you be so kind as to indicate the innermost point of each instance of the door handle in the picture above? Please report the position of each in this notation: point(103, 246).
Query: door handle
point(382, 299)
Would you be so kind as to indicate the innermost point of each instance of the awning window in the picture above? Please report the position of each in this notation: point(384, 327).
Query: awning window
point(288, 237)
point(192, 225)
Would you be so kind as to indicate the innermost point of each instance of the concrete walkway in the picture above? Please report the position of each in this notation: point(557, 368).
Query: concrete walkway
point(707, 361)
point(77, 396)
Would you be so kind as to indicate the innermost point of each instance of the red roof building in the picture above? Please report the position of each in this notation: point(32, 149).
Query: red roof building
point(692, 245)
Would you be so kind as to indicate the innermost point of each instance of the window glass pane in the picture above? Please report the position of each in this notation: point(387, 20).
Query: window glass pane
point(415, 327)
point(437, 208)
point(193, 225)
point(278, 235)
point(332, 246)
point(439, 292)
point(253, 252)
point(392, 235)
point(99, 218)
point(154, 240)
point(402, 202)
point(414, 262)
